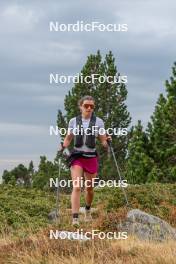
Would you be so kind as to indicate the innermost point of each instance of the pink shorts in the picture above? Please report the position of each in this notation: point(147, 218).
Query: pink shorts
point(89, 165)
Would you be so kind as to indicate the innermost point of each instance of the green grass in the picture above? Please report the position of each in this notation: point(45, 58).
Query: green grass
point(156, 199)
point(22, 208)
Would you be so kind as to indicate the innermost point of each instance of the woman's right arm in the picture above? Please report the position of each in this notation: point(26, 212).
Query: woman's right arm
point(67, 140)
point(70, 135)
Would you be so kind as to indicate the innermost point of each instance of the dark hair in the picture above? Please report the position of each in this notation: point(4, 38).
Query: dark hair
point(86, 97)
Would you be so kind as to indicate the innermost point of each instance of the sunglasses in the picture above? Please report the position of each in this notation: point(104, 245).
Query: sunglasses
point(88, 105)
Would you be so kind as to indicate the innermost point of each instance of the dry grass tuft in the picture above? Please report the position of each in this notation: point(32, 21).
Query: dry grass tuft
point(39, 249)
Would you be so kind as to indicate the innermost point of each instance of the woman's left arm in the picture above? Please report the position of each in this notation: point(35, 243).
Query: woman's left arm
point(103, 139)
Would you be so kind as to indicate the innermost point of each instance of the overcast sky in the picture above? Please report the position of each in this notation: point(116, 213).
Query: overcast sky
point(29, 52)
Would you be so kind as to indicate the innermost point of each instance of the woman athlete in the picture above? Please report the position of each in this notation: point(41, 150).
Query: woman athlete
point(84, 159)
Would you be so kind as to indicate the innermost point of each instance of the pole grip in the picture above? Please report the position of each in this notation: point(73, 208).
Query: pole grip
point(109, 142)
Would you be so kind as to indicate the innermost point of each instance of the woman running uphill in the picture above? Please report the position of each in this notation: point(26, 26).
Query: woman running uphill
point(85, 162)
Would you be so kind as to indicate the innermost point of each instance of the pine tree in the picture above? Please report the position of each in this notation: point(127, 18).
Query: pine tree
point(30, 173)
point(110, 105)
point(162, 132)
point(156, 130)
point(6, 176)
point(18, 174)
point(46, 170)
point(139, 164)
point(170, 123)
point(31, 168)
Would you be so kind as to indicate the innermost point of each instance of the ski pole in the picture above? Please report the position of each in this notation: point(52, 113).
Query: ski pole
point(57, 194)
point(118, 171)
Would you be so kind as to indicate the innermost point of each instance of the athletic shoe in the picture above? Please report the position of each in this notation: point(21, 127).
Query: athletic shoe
point(75, 222)
point(88, 216)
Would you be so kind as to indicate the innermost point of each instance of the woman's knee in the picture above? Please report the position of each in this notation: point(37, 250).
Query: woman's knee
point(89, 189)
point(77, 189)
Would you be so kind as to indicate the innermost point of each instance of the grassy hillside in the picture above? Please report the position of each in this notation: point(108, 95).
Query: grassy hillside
point(23, 208)
point(24, 226)
point(20, 207)
point(156, 199)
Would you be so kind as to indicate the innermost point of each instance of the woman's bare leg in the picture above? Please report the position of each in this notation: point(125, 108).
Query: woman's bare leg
point(89, 192)
point(76, 174)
